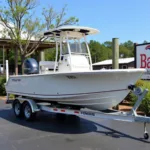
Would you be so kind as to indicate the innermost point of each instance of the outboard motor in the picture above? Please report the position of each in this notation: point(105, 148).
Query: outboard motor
point(31, 66)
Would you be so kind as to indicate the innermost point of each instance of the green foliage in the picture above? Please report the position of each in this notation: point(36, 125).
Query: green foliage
point(108, 44)
point(145, 105)
point(2, 86)
point(95, 50)
point(50, 54)
point(124, 52)
point(21, 25)
point(99, 51)
point(140, 83)
point(103, 51)
point(130, 46)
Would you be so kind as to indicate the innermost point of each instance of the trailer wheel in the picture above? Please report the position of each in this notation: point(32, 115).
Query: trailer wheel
point(28, 114)
point(146, 136)
point(17, 108)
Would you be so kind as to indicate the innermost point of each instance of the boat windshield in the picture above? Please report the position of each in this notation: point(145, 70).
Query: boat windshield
point(78, 46)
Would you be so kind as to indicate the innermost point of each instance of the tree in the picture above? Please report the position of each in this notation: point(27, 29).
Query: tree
point(108, 44)
point(124, 52)
point(54, 19)
point(145, 42)
point(18, 21)
point(50, 54)
point(130, 46)
point(95, 50)
point(99, 51)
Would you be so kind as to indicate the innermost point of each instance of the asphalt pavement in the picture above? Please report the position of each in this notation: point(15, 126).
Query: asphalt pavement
point(47, 132)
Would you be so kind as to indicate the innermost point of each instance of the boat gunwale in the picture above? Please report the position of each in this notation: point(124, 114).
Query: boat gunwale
point(84, 72)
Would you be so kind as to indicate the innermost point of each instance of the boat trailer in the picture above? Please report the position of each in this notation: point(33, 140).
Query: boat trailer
point(27, 108)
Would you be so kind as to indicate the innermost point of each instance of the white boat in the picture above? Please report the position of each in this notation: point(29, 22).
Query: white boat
point(73, 82)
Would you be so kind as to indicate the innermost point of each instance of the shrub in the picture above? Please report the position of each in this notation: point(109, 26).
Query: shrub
point(140, 83)
point(129, 97)
point(2, 86)
point(145, 105)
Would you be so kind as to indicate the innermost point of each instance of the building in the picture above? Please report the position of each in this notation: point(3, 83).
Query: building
point(7, 46)
point(124, 63)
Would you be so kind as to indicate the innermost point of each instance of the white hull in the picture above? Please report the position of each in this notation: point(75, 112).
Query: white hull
point(97, 90)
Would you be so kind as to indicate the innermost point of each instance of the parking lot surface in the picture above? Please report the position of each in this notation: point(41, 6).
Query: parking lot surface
point(47, 132)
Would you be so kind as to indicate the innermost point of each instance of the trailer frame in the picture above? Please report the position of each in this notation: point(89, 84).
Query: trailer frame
point(28, 107)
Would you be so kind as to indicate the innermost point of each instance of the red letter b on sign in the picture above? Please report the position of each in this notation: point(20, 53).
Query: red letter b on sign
point(143, 61)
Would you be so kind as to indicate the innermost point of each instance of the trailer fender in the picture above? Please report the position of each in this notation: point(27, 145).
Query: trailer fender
point(32, 103)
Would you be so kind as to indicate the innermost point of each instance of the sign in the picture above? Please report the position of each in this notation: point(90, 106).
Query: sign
point(142, 58)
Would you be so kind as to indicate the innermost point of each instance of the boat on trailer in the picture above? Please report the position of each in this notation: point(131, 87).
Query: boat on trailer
point(73, 81)
point(70, 84)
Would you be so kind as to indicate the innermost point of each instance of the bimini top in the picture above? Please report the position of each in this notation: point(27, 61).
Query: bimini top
point(80, 29)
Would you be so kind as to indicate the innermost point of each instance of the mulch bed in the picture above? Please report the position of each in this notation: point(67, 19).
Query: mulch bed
point(2, 97)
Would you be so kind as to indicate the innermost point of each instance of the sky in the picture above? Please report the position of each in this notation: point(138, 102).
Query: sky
point(123, 19)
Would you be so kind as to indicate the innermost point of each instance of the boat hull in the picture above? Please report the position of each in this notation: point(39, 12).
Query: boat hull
point(98, 90)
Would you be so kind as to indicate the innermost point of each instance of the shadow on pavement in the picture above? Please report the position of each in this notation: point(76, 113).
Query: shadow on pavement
point(71, 125)
point(117, 134)
point(52, 123)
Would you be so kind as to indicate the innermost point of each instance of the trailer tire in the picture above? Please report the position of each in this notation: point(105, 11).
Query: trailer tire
point(27, 110)
point(17, 108)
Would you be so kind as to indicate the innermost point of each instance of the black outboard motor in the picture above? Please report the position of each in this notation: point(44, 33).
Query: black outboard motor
point(31, 66)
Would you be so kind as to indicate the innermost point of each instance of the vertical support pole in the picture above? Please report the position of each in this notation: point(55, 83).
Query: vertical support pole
point(69, 50)
point(3, 59)
point(16, 61)
point(61, 52)
point(79, 45)
point(42, 56)
point(115, 48)
point(91, 68)
point(56, 56)
point(7, 54)
point(7, 70)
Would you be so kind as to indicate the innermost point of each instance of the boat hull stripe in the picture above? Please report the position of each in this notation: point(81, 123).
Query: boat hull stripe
point(67, 94)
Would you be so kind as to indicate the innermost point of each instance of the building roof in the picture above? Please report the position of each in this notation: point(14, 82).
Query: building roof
point(8, 44)
point(109, 61)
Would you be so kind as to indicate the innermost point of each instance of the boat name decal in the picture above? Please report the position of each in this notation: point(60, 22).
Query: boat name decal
point(88, 113)
point(16, 80)
point(71, 77)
